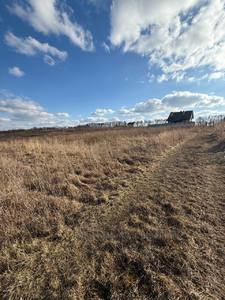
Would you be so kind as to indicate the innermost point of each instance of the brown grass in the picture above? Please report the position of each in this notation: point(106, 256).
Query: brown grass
point(77, 223)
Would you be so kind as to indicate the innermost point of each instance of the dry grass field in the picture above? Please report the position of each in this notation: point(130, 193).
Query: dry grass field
point(113, 214)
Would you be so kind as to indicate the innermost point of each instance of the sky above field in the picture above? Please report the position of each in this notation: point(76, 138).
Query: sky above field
point(75, 61)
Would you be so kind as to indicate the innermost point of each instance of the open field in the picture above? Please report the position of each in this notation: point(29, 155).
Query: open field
point(113, 214)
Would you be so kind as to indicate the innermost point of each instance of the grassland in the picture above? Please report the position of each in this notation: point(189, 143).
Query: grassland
point(113, 214)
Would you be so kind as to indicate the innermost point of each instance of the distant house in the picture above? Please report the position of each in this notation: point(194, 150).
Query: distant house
point(181, 117)
point(131, 124)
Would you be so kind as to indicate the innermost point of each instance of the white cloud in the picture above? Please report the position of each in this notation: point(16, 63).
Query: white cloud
point(162, 77)
point(49, 60)
point(30, 47)
point(181, 76)
point(16, 71)
point(63, 114)
point(144, 107)
point(106, 47)
point(148, 106)
point(4, 121)
point(20, 112)
point(177, 36)
point(102, 112)
point(49, 17)
point(216, 75)
point(186, 100)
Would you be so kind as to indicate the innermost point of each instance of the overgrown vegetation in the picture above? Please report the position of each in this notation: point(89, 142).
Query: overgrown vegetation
point(90, 216)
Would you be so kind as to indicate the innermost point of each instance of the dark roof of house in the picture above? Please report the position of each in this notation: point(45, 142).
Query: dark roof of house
point(181, 116)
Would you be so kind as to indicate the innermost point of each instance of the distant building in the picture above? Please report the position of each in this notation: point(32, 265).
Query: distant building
point(131, 124)
point(181, 117)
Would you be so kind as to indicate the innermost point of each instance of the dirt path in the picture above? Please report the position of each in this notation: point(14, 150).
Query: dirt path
point(164, 239)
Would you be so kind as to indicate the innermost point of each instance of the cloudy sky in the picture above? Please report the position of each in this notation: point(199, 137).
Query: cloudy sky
point(76, 61)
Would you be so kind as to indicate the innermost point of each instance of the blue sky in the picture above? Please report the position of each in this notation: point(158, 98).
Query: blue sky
point(77, 61)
